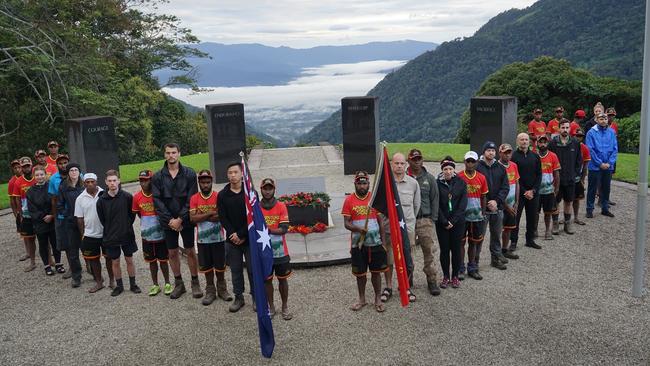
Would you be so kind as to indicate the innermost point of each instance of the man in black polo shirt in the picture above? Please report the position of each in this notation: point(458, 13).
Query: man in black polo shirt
point(172, 187)
point(530, 172)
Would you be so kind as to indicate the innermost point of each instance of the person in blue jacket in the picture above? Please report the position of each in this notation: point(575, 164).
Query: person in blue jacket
point(601, 141)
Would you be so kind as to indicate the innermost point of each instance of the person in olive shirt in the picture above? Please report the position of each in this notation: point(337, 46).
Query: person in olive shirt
point(530, 172)
point(426, 217)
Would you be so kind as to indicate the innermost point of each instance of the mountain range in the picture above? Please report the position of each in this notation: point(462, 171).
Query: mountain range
point(424, 99)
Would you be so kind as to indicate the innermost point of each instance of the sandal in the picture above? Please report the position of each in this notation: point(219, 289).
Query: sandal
point(358, 306)
point(59, 268)
point(286, 315)
point(412, 296)
point(380, 308)
point(386, 294)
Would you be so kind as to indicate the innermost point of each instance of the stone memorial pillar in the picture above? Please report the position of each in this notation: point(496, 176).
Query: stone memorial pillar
point(92, 144)
point(360, 122)
point(492, 119)
point(226, 136)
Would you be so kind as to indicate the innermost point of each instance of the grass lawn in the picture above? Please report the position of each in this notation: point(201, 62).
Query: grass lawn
point(627, 168)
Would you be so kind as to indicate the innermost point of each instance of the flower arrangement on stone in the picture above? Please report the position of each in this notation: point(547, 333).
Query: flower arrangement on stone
point(304, 199)
point(319, 227)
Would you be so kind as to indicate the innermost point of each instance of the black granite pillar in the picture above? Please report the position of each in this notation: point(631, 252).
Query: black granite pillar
point(492, 119)
point(360, 122)
point(226, 136)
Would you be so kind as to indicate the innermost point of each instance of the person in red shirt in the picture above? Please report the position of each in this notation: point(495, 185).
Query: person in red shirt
point(578, 119)
point(14, 202)
point(366, 238)
point(553, 126)
point(41, 159)
point(154, 248)
point(611, 114)
point(536, 127)
point(210, 238)
point(53, 148)
point(550, 185)
point(277, 221)
point(512, 200)
point(580, 184)
point(20, 187)
point(477, 190)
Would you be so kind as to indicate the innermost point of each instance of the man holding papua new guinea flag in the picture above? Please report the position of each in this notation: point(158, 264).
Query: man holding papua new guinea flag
point(386, 200)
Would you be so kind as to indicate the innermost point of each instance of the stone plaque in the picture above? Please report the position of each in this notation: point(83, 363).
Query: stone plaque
point(226, 137)
point(92, 144)
point(492, 119)
point(360, 122)
point(303, 184)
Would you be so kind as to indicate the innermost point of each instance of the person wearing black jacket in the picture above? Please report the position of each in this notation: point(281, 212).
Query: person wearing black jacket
point(530, 171)
point(39, 206)
point(115, 214)
point(569, 153)
point(69, 190)
point(172, 186)
point(231, 206)
point(498, 188)
point(450, 226)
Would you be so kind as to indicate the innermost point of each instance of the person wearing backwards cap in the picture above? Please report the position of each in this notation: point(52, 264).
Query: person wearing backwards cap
point(115, 214)
point(576, 124)
point(210, 238)
point(277, 221)
point(477, 190)
point(366, 247)
point(69, 190)
point(20, 187)
point(426, 217)
point(91, 229)
point(580, 183)
point(497, 181)
point(154, 248)
point(53, 148)
point(450, 226)
point(14, 202)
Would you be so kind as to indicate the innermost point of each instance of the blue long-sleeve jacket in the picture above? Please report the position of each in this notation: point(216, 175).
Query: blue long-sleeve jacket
point(603, 147)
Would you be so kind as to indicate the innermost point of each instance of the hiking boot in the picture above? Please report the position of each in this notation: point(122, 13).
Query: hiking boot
point(496, 263)
point(179, 290)
point(210, 296)
point(135, 289)
point(502, 258)
point(568, 227)
point(67, 275)
point(548, 235)
point(196, 289)
point(510, 254)
point(607, 213)
point(237, 304)
point(222, 290)
point(590, 215)
point(117, 291)
point(76, 282)
point(434, 290)
point(475, 275)
point(533, 245)
point(556, 228)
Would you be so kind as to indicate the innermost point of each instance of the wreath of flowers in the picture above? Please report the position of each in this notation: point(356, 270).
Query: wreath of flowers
point(304, 199)
point(319, 227)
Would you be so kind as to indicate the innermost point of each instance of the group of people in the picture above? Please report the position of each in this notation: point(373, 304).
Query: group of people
point(67, 211)
point(544, 175)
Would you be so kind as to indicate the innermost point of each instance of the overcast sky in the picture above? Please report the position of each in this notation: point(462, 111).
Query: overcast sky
point(304, 24)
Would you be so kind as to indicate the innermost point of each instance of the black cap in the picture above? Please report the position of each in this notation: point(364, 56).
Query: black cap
point(489, 145)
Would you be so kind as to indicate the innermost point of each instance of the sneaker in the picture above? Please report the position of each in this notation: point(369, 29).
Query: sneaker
point(178, 291)
point(197, 293)
point(434, 290)
point(237, 304)
point(455, 282)
point(444, 283)
point(117, 291)
point(533, 245)
point(590, 215)
point(49, 271)
point(607, 213)
point(167, 290)
point(496, 263)
point(475, 275)
point(510, 254)
point(59, 268)
point(155, 290)
point(135, 289)
point(461, 276)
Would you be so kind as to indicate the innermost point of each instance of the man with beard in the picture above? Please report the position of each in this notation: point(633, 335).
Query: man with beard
point(209, 238)
point(530, 171)
point(277, 221)
point(365, 241)
point(550, 185)
point(568, 152)
point(426, 217)
point(580, 182)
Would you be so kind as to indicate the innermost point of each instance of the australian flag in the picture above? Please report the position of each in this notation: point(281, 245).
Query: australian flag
point(261, 262)
point(385, 199)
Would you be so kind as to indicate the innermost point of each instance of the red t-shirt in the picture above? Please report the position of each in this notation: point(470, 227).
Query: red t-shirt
point(537, 129)
point(207, 232)
point(357, 210)
point(614, 126)
point(150, 228)
point(20, 188)
point(586, 156)
point(10, 185)
point(513, 176)
point(550, 163)
point(275, 216)
point(573, 128)
point(143, 204)
point(476, 187)
point(51, 161)
point(553, 127)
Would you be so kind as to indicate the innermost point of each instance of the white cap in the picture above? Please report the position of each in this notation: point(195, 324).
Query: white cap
point(471, 155)
point(88, 176)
